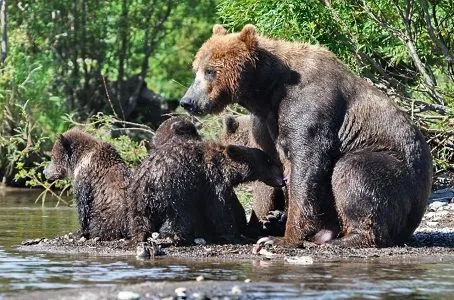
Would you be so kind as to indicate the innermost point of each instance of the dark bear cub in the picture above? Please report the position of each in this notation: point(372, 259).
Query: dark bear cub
point(100, 179)
point(268, 204)
point(184, 188)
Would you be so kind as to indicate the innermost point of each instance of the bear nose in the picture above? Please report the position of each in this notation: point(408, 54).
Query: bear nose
point(187, 103)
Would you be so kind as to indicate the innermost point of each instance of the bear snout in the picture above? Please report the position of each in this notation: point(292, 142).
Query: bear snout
point(188, 104)
point(51, 173)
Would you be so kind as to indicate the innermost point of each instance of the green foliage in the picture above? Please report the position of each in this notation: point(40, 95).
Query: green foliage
point(404, 47)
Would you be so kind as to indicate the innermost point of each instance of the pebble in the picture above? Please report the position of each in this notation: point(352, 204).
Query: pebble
point(155, 235)
point(437, 205)
point(200, 278)
point(266, 253)
point(96, 238)
point(128, 295)
point(247, 280)
point(198, 296)
point(236, 290)
point(82, 239)
point(300, 260)
point(180, 292)
point(200, 241)
point(432, 223)
point(142, 251)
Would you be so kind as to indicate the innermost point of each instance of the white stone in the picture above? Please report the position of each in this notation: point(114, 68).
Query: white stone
point(200, 278)
point(200, 241)
point(432, 223)
point(436, 205)
point(180, 292)
point(128, 295)
point(300, 260)
point(155, 235)
point(236, 290)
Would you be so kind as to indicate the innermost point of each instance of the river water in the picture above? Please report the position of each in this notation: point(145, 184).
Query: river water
point(20, 273)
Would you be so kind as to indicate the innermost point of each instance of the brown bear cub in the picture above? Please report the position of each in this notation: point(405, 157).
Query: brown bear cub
point(184, 188)
point(360, 171)
point(268, 204)
point(100, 180)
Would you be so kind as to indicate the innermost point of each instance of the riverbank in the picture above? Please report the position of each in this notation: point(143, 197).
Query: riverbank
point(435, 236)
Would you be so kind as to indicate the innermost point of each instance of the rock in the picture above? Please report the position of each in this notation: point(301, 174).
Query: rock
point(180, 292)
point(199, 296)
point(200, 241)
point(429, 215)
point(155, 235)
point(437, 205)
point(142, 251)
point(200, 278)
point(95, 239)
point(82, 239)
point(300, 260)
point(236, 290)
point(247, 280)
point(432, 223)
point(266, 253)
point(128, 295)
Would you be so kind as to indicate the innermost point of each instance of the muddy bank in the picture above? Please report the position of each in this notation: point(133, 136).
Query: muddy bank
point(435, 236)
point(426, 241)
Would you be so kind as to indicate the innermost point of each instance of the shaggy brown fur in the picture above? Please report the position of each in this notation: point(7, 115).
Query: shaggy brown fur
point(184, 189)
point(238, 131)
point(100, 178)
point(175, 128)
point(358, 167)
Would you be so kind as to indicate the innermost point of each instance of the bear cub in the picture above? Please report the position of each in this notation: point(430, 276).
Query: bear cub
point(100, 180)
point(269, 203)
point(184, 188)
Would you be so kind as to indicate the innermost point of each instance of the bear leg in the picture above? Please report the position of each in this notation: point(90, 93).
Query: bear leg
point(375, 200)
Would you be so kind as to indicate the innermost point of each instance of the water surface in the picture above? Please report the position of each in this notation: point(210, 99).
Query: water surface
point(22, 272)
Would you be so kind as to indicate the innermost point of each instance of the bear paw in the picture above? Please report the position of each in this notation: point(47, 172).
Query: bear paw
point(274, 223)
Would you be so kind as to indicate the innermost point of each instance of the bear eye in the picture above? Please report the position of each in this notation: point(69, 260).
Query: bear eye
point(210, 73)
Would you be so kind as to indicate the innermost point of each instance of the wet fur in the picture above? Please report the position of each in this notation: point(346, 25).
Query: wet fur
point(359, 168)
point(100, 178)
point(184, 189)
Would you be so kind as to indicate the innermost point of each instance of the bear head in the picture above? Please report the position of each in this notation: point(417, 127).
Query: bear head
point(236, 130)
point(219, 67)
point(66, 152)
point(175, 129)
point(254, 164)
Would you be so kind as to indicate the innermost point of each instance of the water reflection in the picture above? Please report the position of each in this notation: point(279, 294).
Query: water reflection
point(21, 218)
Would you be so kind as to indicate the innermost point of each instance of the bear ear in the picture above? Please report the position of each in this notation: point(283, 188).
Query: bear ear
point(219, 30)
point(65, 142)
point(231, 124)
point(248, 35)
point(237, 153)
point(184, 128)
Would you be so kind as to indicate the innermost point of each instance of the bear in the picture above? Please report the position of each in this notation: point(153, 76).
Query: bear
point(266, 199)
point(184, 188)
point(360, 171)
point(175, 128)
point(100, 180)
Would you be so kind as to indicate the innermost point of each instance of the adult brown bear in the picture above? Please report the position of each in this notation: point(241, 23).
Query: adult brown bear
point(360, 171)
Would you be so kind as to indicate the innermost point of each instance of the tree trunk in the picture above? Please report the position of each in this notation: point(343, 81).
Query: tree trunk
point(3, 21)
